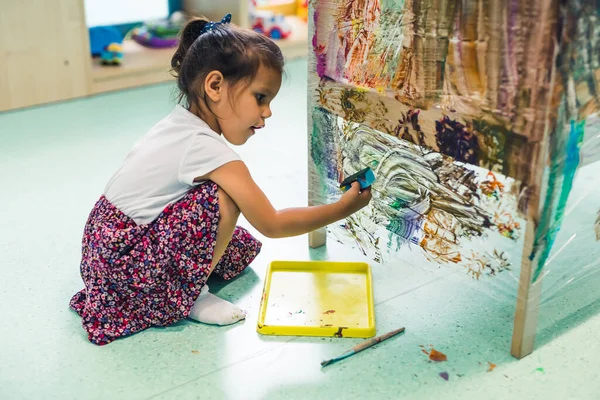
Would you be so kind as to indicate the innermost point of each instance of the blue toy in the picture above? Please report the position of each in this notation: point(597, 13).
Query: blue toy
point(101, 37)
point(112, 54)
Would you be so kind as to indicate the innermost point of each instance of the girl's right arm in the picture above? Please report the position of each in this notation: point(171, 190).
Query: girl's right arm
point(235, 179)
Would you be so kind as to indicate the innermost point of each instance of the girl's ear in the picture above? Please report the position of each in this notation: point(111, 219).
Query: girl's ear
point(213, 85)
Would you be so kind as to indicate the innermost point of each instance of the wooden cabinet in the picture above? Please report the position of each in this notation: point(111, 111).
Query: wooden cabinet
point(44, 49)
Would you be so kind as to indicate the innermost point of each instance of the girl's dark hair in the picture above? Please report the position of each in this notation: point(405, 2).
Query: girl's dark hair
point(235, 52)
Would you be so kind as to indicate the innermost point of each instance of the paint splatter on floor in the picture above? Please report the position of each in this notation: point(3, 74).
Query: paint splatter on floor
point(491, 367)
point(540, 370)
point(328, 312)
point(435, 355)
point(444, 375)
point(195, 352)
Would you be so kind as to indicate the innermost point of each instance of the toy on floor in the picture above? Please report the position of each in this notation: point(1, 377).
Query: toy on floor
point(159, 34)
point(112, 54)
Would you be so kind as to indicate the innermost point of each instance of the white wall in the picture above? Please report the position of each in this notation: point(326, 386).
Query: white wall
point(110, 12)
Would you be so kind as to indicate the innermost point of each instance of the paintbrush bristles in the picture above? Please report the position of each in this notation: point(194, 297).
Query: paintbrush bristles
point(327, 362)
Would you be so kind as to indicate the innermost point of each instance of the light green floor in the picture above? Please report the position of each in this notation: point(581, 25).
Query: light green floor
point(55, 161)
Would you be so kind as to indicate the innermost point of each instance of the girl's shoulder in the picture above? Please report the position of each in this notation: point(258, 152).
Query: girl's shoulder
point(181, 124)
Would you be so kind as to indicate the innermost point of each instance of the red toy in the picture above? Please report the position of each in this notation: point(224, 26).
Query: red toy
point(269, 23)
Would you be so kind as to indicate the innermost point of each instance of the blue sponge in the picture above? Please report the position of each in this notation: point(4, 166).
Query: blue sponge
point(365, 178)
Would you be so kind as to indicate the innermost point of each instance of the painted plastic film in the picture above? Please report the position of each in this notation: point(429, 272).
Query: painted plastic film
point(480, 121)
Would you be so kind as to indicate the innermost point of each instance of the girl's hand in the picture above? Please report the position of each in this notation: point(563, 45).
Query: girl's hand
point(355, 199)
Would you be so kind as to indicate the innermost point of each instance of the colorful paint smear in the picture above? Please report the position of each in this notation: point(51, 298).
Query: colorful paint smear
point(457, 141)
point(476, 141)
point(426, 54)
point(421, 198)
point(456, 106)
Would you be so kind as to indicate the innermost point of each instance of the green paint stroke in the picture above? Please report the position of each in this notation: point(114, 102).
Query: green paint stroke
point(398, 204)
point(565, 161)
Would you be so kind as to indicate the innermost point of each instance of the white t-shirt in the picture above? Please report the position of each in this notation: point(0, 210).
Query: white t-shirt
point(161, 167)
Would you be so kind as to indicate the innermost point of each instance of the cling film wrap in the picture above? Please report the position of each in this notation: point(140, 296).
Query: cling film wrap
point(475, 131)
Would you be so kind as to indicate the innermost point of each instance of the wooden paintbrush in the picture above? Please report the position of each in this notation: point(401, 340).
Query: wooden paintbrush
point(360, 347)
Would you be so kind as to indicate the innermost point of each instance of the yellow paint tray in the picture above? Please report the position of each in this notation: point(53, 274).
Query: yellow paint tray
point(317, 298)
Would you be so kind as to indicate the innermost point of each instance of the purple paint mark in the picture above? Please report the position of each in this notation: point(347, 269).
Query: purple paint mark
point(456, 140)
point(319, 50)
point(445, 375)
point(514, 10)
point(314, 39)
point(321, 64)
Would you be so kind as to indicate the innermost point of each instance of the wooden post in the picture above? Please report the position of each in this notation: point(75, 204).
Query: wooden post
point(528, 300)
point(316, 238)
point(528, 293)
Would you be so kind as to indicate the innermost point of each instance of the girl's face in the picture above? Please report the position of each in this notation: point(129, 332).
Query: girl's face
point(242, 110)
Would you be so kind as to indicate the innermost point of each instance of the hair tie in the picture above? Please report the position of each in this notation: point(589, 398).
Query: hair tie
point(212, 25)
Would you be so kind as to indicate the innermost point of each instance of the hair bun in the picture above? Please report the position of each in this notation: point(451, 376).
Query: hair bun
point(188, 36)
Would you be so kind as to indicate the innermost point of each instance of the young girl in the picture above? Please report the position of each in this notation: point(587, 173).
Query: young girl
point(167, 219)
